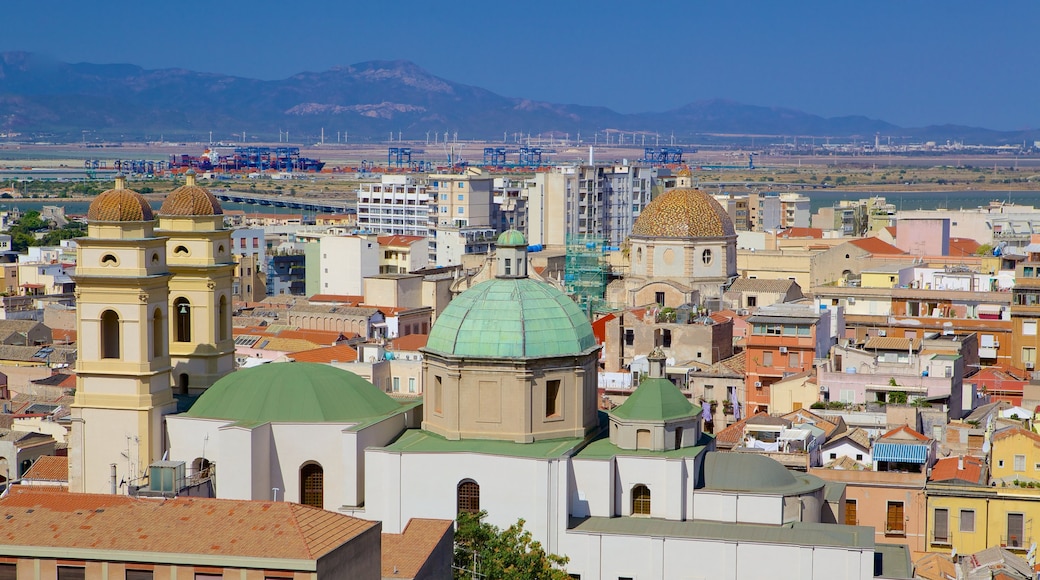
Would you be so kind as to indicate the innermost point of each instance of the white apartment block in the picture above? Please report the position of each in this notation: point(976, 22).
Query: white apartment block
point(345, 261)
point(397, 205)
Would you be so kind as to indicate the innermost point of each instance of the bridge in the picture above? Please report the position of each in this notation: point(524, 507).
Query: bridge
point(315, 205)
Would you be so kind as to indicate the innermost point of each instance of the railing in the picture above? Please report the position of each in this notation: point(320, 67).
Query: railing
point(1016, 542)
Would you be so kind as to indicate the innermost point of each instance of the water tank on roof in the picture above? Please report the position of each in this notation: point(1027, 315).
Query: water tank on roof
point(535, 248)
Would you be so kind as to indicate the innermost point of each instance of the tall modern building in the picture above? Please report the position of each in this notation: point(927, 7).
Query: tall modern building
point(596, 200)
point(397, 205)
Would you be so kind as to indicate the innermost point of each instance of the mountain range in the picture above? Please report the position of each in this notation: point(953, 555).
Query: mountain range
point(42, 98)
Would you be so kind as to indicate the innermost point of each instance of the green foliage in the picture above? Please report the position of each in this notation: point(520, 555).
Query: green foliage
point(495, 553)
point(897, 398)
point(818, 405)
point(984, 250)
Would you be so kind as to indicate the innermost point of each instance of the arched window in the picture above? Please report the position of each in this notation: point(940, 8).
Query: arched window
point(706, 257)
point(157, 334)
point(640, 500)
point(222, 318)
point(109, 334)
point(182, 383)
point(200, 467)
point(182, 312)
point(469, 497)
point(312, 485)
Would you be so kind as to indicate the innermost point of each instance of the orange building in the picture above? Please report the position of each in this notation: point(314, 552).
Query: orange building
point(784, 339)
point(1025, 308)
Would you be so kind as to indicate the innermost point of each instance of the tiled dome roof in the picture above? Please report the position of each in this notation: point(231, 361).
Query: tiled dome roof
point(511, 318)
point(191, 199)
point(120, 205)
point(683, 213)
point(684, 172)
point(511, 238)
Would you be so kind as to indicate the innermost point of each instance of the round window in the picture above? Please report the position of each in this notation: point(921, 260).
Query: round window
point(706, 257)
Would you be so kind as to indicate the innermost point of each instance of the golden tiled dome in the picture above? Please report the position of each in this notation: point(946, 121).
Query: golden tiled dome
point(120, 205)
point(190, 199)
point(683, 213)
point(684, 172)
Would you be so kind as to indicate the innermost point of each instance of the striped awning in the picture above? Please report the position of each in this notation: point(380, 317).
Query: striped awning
point(900, 452)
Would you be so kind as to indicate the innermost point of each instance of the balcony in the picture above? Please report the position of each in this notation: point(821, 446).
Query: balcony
point(1016, 543)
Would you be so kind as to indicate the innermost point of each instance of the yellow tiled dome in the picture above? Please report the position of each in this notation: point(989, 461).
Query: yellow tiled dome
point(120, 205)
point(191, 199)
point(684, 172)
point(683, 213)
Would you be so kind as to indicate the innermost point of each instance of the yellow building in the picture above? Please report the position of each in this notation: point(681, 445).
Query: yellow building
point(972, 518)
point(1015, 456)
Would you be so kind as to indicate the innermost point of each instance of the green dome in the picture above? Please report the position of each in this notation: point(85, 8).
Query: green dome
point(511, 318)
point(511, 238)
point(656, 400)
point(293, 392)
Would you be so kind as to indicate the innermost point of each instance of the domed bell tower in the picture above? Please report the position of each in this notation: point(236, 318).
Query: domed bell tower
point(123, 366)
point(198, 248)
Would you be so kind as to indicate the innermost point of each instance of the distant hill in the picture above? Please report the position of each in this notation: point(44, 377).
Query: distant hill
point(48, 99)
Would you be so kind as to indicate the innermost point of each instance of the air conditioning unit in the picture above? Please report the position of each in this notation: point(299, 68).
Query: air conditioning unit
point(882, 333)
point(758, 384)
point(1029, 366)
point(783, 350)
point(852, 300)
point(824, 389)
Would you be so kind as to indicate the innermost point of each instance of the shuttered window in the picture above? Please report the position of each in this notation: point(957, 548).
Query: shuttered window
point(1015, 529)
point(8, 571)
point(941, 526)
point(894, 521)
point(967, 520)
point(850, 513)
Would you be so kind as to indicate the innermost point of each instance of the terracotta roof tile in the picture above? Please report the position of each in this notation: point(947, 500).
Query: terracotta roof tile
point(801, 232)
point(963, 247)
point(947, 470)
point(337, 298)
point(216, 527)
point(404, 554)
point(1012, 431)
point(398, 241)
point(904, 430)
point(410, 342)
point(328, 354)
point(876, 246)
point(49, 468)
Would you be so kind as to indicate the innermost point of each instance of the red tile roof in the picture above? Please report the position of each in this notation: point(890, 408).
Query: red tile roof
point(904, 429)
point(337, 298)
point(410, 342)
point(63, 336)
point(963, 247)
point(48, 468)
point(215, 527)
point(398, 241)
point(947, 470)
point(876, 246)
point(1012, 431)
point(891, 230)
point(328, 354)
point(800, 232)
point(404, 554)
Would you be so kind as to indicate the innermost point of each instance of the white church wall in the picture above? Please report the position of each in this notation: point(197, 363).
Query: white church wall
point(374, 435)
point(667, 480)
point(716, 507)
point(383, 474)
point(594, 488)
point(760, 509)
point(510, 488)
point(295, 445)
point(617, 555)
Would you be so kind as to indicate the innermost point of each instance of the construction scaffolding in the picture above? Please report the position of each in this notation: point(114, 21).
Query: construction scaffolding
point(585, 275)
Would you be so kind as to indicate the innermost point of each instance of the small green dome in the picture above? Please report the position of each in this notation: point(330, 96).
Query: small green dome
point(656, 400)
point(511, 238)
point(293, 392)
point(511, 318)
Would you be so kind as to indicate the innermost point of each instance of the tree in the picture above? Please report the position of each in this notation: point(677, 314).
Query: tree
point(484, 551)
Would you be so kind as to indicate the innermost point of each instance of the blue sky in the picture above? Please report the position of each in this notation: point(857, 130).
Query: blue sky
point(908, 62)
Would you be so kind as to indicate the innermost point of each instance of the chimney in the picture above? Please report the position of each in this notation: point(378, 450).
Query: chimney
point(960, 463)
point(115, 486)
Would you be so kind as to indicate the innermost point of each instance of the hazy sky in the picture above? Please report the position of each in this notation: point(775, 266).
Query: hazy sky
point(908, 62)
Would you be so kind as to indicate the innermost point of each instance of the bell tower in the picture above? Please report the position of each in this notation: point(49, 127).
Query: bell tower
point(123, 367)
point(198, 247)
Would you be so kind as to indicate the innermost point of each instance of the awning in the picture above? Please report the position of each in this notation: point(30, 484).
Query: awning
point(900, 452)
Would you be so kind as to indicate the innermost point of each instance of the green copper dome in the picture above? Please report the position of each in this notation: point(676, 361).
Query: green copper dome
point(511, 318)
point(293, 392)
point(511, 238)
point(656, 400)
